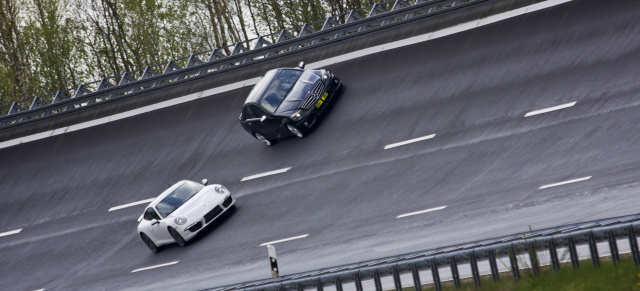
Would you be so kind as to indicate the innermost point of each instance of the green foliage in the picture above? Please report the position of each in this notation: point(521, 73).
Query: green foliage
point(51, 45)
point(607, 277)
point(49, 31)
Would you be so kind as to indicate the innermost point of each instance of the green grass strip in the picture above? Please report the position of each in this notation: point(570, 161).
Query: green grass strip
point(624, 276)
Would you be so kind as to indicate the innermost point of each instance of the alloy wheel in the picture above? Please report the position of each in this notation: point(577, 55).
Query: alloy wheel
point(294, 130)
point(263, 139)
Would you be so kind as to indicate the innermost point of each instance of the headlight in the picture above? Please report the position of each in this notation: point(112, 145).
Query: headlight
point(180, 220)
point(325, 75)
point(220, 189)
point(296, 115)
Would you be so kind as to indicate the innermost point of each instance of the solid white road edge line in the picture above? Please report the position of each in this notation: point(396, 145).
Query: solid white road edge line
point(247, 178)
point(393, 145)
point(154, 267)
point(421, 211)
point(283, 240)
point(349, 56)
point(439, 33)
point(10, 232)
point(131, 204)
point(554, 108)
point(565, 182)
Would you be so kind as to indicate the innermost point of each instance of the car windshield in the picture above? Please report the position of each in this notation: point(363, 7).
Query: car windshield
point(178, 197)
point(279, 88)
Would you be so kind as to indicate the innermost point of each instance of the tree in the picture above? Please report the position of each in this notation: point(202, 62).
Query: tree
point(54, 46)
point(17, 82)
point(51, 45)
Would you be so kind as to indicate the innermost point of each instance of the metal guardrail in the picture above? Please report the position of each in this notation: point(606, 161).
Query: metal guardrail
point(260, 48)
point(507, 247)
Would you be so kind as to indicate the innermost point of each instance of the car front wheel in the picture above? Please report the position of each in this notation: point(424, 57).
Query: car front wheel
point(263, 139)
point(177, 237)
point(295, 130)
point(147, 241)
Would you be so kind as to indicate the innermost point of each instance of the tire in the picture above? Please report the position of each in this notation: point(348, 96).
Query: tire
point(295, 130)
point(263, 139)
point(147, 241)
point(177, 237)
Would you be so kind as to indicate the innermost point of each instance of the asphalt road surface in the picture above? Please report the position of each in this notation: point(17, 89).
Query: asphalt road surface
point(486, 163)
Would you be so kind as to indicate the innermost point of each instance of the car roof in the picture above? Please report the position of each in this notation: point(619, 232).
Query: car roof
point(255, 96)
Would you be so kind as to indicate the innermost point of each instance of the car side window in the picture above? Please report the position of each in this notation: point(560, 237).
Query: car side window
point(252, 111)
point(150, 214)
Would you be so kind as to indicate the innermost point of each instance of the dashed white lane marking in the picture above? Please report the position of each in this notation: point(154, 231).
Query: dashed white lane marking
point(265, 174)
point(421, 211)
point(565, 182)
point(39, 290)
point(554, 108)
point(393, 145)
point(10, 232)
point(319, 64)
point(131, 204)
point(154, 267)
point(283, 240)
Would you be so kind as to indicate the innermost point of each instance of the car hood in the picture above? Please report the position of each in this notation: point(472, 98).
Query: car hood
point(299, 92)
point(199, 204)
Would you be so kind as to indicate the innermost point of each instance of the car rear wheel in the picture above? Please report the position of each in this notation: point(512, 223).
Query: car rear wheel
point(295, 130)
point(263, 139)
point(147, 241)
point(177, 237)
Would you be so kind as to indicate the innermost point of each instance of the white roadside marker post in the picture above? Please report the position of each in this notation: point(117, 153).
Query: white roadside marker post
point(275, 273)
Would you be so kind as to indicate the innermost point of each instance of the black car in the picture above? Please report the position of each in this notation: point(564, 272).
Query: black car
point(287, 101)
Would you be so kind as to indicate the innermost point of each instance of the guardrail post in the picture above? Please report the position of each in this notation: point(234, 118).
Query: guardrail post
point(454, 272)
point(319, 285)
point(514, 263)
point(299, 287)
point(613, 247)
point(474, 270)
point(416, 278)
point(573, 253)
point(436, 275)
point(633, 243)
point(396, 278)
point(338, 284)
point(275, 272)
point(553, 253)
point(377, 281)
point(495, 274)
point(533, 257)
point(593, 249)
point(358, 281)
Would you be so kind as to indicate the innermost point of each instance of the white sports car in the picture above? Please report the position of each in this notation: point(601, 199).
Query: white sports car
point(181, 211)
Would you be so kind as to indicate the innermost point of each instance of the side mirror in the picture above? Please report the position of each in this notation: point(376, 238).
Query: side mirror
point(263, 118)
point(154, 222)
point(205, 182)
point(301, 65)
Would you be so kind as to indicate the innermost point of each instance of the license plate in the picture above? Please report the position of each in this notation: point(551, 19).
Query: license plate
point(324, 96)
